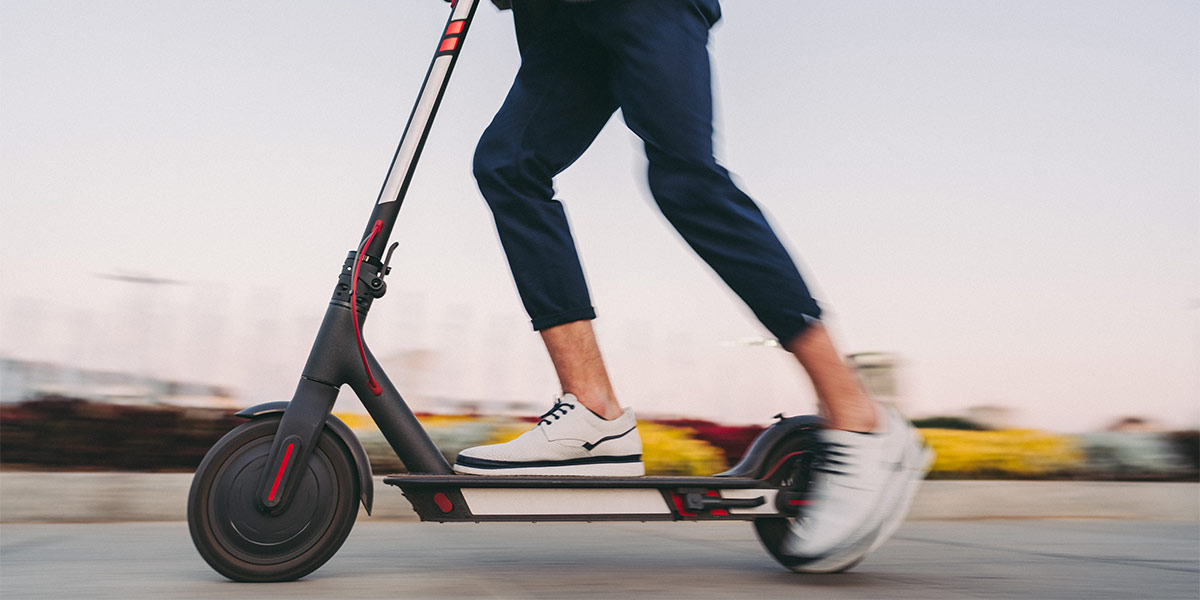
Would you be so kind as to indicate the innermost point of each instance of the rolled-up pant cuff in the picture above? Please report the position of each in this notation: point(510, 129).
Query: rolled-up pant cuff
point(566, 316)
point(786, 334)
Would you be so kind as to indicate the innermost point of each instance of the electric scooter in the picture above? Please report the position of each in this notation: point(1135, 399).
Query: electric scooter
point(275, 498)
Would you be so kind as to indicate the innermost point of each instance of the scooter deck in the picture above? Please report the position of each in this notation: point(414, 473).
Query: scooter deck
point(475, 498)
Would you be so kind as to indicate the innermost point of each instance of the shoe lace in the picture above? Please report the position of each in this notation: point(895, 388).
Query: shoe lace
point(829, 459)
point(559, 405)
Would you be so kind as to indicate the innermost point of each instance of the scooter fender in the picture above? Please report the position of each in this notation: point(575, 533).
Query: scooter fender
point(339, 428)
point(753, 462)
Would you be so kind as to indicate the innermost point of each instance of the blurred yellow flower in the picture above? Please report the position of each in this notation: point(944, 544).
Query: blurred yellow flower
point(1016, 453)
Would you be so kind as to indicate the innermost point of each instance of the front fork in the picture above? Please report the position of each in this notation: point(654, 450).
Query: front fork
point(334, 361)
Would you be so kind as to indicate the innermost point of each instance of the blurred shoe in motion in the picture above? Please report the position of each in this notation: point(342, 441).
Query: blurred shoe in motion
point(863, 488)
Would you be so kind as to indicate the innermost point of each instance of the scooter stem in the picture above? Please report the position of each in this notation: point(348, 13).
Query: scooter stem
point(338, 356)
point(404, 163)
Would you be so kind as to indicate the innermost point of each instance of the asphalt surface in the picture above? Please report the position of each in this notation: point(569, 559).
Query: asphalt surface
point(931, 560)
point(115, 496)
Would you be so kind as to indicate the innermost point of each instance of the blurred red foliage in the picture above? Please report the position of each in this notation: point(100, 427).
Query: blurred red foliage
point(731, 440)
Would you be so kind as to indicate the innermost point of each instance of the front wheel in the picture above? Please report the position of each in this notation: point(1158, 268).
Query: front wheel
point(243, 542)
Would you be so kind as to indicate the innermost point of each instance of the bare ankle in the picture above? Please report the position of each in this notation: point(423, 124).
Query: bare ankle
point(843, 401)
point(861, 416)
point(603, 405)
point(580, 368)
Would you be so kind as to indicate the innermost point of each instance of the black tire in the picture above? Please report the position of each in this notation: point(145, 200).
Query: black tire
point(790, 467)
point(244, 543)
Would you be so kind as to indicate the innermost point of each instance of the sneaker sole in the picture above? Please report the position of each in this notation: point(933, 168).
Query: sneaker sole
point(842, 559)
point(625, 469)
point(916, 471)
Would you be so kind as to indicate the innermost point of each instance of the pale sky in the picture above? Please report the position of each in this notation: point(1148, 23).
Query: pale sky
point(1004, 194)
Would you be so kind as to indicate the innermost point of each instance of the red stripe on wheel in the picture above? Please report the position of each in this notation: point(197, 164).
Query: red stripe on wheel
point(279, 475)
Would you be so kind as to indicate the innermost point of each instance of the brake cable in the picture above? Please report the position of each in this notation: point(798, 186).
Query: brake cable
point(362, 352)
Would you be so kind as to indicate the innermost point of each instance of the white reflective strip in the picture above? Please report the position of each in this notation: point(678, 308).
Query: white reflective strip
point(462, 9)
point(412, 136)
point(766, 508)
point(485, 501)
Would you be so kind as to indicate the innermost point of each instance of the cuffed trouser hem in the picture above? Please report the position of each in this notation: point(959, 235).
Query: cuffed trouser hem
point(787, 335)
point(568, 316)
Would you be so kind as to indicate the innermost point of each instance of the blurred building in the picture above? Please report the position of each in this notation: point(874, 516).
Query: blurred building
point(879, 373)
point(22, 380)
point(1136, 425)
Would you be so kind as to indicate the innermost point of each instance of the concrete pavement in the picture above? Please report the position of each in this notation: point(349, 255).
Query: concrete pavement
point(929, 560)
point(92, 497)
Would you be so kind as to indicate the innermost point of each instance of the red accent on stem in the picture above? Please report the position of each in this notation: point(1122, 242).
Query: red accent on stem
point(279, 475)
point(455, 27)
point(449, 43)
point(362, 353)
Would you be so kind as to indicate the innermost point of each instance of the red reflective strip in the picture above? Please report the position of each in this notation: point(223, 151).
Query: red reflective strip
point(455, 27)
point(449, 43)
point(679, 506)
point(279, 475)
point(443, 502)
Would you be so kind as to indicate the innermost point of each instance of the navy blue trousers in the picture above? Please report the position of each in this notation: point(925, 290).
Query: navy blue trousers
point(650, 59)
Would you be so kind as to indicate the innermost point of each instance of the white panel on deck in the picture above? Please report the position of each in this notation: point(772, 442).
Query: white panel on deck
point(493, 501)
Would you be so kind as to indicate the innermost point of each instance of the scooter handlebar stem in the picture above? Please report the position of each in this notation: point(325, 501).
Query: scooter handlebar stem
point(420, 121)
point(335, 356)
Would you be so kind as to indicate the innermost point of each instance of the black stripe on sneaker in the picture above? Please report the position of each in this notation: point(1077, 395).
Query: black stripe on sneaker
point(484, 463)
point(589, 446)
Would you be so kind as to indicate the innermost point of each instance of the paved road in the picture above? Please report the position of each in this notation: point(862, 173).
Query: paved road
point(1090, 559)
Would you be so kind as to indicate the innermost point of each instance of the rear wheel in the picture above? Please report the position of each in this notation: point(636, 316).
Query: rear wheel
point(790, 468)
point(245, 543)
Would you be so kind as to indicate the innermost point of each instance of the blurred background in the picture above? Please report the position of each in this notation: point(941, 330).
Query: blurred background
point(998, 203)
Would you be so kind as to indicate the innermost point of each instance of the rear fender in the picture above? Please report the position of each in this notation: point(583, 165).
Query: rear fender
point(340, 429)
point(753, 463)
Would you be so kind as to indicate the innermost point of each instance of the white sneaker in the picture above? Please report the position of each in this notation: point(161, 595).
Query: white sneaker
point(569, 440)
point(862, 493)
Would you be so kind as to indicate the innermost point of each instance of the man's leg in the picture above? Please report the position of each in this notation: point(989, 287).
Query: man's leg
point(559, 102)
point(661, 80)
point(666, 98)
